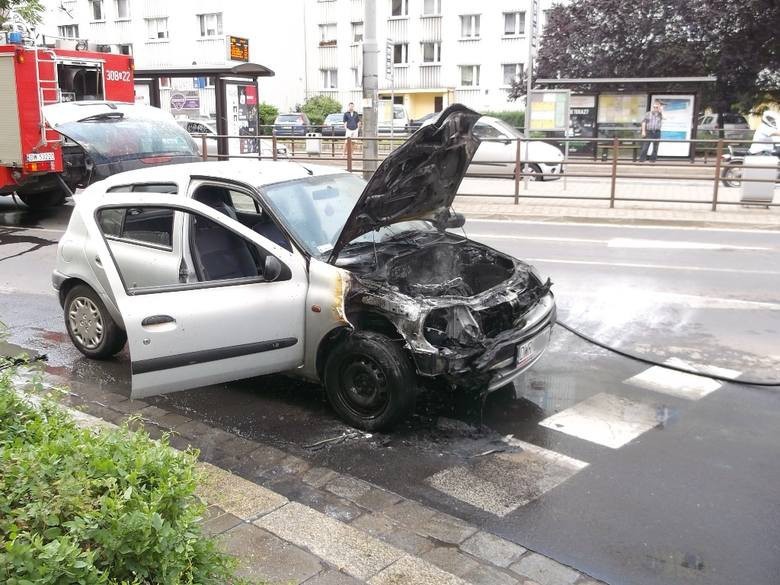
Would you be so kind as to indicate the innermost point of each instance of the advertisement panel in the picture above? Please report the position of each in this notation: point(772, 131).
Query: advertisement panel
point(242, 118)
point(622, 109)
point(582, 118)
point(676, 125)
point(549, 110)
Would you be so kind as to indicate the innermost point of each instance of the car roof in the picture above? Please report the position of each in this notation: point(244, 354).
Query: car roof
point(251, 172)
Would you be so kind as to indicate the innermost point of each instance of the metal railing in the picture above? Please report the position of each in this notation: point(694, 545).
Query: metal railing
point(616, 171)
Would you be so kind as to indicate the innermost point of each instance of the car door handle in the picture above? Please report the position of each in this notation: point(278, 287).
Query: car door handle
point(98, 261)
point(157, 320)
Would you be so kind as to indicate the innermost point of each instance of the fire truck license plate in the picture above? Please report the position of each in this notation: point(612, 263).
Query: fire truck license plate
point(40, 156)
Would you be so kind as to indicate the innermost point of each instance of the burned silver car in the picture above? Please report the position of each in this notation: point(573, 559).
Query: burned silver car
point(220, 271)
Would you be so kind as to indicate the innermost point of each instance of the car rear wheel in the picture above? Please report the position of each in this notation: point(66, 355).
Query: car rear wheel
point(91, 328)
point(370, 381)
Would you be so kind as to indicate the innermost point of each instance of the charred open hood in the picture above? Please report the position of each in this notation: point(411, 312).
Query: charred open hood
point(419, 180)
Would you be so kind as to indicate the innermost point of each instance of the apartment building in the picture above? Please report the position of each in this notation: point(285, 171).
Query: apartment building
point(175, 33)
point(441, 51)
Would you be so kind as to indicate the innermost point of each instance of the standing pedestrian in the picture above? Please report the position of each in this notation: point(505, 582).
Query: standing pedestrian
point(351, 121)
point(651, 130)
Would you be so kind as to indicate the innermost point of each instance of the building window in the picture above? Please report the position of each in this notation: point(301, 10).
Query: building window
point(431, 7)
point(356, 77)
point(512, 72)
point(469, 75)
point(122, 9)
point(68, 31)
point(400, 8)
point(210, 24)
point(431, 52)
point(514, 23)
point(328, 34)
point(124, 49)
point(401, 53)
point(469, 26)
point(156, 28)
point(330, 78)
point(96, 9)
point(357, 32)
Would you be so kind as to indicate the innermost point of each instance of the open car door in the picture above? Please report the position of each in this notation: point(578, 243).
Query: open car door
point(232, 308)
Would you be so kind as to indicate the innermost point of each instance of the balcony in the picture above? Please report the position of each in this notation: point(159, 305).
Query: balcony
point(401, 76)
point(329, 58)
point(430, 75)
point(469, 97)
point(328, 12)
point(397, 29)
point(430, 28)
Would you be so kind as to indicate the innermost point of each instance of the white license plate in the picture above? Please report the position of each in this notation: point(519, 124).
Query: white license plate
point(40, 157)
point(530, 350)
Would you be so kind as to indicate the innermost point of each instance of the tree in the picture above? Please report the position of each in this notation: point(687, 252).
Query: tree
point(28, 11)
point(735, 40)
point(267, 114)
point(319, 106)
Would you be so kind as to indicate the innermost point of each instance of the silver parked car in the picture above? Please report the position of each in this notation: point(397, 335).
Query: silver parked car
point(219, 271)
point(497, 152)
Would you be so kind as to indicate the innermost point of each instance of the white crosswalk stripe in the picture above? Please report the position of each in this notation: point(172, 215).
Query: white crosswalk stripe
point(605, 419)
point(680, 384)
point(502, 482)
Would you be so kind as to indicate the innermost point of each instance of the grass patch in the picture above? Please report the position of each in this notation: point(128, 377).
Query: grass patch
point(109, 507)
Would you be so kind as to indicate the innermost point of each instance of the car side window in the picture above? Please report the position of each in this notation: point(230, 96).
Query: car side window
point(171, 188)
point(144, 225)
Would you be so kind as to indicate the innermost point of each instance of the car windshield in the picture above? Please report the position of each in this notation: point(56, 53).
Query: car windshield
point(315, 209)
point(288, 118)
point(334, 118)
point(507, 129)
point(110, 139)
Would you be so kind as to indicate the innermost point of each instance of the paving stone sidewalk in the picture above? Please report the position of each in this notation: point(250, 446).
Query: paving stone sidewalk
point(289, 523)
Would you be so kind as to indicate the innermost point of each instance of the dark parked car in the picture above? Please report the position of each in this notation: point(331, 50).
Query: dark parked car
point(295, 124)
point(334, 125)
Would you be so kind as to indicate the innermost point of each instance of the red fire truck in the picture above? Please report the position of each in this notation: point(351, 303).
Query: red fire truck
point(68, 118)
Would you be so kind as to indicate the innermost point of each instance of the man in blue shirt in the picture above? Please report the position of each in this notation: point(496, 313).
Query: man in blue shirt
point(651, 129)
point(351, 121)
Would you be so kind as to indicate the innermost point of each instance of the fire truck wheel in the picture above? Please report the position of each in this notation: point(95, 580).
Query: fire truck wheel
point(43, 199)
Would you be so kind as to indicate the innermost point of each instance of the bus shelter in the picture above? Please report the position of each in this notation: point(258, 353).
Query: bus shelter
point(614, 107)
point(227, 95)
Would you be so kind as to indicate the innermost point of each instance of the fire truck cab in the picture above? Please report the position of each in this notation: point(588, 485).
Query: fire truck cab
point(34, 158)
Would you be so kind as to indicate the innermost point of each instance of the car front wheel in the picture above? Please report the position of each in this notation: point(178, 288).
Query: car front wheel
point(91, 328)
point(370, 381)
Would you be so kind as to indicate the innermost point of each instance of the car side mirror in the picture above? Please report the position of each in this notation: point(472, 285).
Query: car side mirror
point(272, 268)
point(456, 220)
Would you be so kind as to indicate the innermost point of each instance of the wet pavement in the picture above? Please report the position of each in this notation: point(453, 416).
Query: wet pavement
point(645, 480)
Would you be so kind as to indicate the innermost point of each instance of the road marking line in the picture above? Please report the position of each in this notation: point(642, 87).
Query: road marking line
point(605, 419)
point(625, 242)
point(680, 384)
point(625, 226)
point(639, 298)
point(501, 483)
point(653, 266)
point(30, 229)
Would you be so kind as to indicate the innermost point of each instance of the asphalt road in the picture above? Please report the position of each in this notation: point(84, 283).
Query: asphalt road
point(631, 474)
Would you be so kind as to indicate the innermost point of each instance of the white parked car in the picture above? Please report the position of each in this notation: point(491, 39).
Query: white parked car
point(217, 271)
point(497, 152)
point(198, 127)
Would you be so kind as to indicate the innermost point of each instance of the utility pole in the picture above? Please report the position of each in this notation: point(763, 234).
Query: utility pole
point(532, 42)
point(370, 89)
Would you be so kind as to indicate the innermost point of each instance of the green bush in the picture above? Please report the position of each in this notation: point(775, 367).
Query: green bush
point(319, 106)
point(267, 114)
point(515, 119)
point(113, 507)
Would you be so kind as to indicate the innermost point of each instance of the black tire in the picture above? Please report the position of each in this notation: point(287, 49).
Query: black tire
point(90, 326)
point(532, 168)
point(731, 176)
point(43, 199)
point(370, 381)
